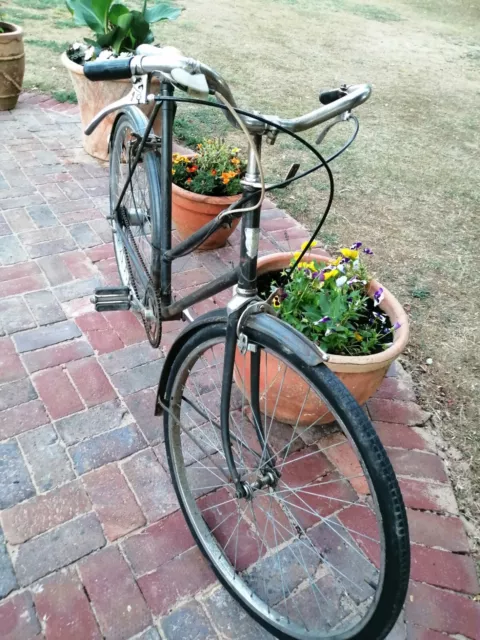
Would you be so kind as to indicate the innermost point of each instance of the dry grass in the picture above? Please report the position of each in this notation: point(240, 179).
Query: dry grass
point(409, 188)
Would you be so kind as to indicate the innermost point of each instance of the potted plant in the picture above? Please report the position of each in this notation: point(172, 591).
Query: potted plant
point(12, 64)
point(204, 184)
point(116, 31)
point(341, 308)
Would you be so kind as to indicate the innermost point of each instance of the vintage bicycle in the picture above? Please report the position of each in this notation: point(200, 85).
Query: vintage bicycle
point(302, 523)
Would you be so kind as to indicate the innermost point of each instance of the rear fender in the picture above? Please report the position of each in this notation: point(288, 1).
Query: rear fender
point(137, 117)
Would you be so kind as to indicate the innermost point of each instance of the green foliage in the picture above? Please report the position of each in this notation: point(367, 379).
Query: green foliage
point(64, 24)
point(65, 96)
point(57, 47)
point(215, 169)
point(115, 25)
point(18, 16)
point(43, 4)
point(193, 124)
point(371, 12)
point(328, 303)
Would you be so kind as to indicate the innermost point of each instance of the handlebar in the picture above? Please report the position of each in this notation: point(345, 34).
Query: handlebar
point(168, 61)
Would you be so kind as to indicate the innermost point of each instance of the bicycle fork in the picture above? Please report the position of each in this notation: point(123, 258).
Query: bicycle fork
point(244, 302)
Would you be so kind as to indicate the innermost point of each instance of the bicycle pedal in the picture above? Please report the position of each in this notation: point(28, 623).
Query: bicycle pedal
point(112, 299)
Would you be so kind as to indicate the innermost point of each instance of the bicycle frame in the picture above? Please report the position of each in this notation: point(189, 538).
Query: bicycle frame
point(245, 274)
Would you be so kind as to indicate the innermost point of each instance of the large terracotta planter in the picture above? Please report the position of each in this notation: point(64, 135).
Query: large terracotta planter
point(92, 97)
point(190, 211)
point(362, 375)
point(12, 65)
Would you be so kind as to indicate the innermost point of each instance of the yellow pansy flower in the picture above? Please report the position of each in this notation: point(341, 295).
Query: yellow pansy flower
point(357, 336)
point(330, 274)
point(349, 253)
point(336, 261)
point(314, 244)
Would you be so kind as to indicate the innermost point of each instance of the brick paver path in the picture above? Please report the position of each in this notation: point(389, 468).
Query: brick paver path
point(92, 543)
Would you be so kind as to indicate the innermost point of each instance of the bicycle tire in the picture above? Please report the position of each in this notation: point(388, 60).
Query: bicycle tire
point(394, 583)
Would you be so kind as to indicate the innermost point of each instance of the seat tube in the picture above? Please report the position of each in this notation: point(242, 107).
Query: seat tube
point(247, 280)
point(167, 111)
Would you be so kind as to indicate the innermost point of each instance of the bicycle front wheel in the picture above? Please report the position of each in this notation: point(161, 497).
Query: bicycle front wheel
point(319, 547)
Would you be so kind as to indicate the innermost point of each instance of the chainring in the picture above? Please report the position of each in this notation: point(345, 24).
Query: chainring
point(152, 320)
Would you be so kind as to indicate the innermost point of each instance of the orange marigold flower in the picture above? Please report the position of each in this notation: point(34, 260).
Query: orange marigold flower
point(226, 177)
point(235, 160)
point(213, 172)
point(188, 180)
point(192, 169)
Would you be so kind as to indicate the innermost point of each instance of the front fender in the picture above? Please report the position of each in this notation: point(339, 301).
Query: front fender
point(290, 341)
point(212, 317)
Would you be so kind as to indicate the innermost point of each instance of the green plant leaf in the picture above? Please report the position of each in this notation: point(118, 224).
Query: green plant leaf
point(116, 11)
point(105, 40)
point(161, 12)
point(90, 13)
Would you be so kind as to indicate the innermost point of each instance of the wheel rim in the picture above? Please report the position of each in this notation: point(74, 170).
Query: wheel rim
point(136, 205)
point(282, 550)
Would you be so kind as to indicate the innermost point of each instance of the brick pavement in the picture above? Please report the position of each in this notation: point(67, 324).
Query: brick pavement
point(92, 543)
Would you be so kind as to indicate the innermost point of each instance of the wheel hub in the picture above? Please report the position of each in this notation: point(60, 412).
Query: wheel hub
point(268, 479)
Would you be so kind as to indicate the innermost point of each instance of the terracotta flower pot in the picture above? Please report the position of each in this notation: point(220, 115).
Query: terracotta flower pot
point(190, 211)
point(92, 97)
point(12, 65)
point(362, 375)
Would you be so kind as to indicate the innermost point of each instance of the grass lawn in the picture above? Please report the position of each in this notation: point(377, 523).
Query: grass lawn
point(409, 187)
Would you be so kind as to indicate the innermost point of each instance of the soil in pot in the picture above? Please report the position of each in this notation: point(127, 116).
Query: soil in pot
point(191, 211)
point(12, 65)
point(362, 375)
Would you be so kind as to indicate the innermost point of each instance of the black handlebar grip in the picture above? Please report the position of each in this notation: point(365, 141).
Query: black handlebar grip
point(326, 97)
point(112, 69)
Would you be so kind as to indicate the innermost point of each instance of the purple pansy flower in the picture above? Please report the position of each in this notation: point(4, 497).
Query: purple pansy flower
point(379, 316)
point(323, 320)
point(378, 296)
point(355, 246)
point(283, 295)
point(356, 279)
point(368, 251)
point(396, 326)
point(319, 275)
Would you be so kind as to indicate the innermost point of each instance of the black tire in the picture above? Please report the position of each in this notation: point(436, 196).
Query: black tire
point(393, 581)
point(144, 195)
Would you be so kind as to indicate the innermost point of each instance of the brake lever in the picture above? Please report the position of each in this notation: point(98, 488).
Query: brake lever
point(343, 117)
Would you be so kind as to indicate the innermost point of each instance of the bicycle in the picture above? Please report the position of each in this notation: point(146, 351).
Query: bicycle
point(308, 551)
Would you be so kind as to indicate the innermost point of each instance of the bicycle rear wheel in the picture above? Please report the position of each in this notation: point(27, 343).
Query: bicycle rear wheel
point(319, 550)
point(139, 214)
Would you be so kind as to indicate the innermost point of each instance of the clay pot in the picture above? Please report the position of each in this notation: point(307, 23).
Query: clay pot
point(190, 211)
point(12, 65)
point(94, 96)
point(362, 375)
